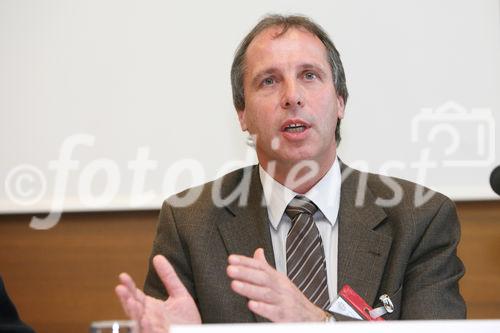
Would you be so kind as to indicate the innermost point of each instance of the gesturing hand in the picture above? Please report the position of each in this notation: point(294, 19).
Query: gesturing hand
point(154, 315)
point(271, 294)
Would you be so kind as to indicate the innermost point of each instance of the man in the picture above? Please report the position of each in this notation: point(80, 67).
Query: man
point(278, 240)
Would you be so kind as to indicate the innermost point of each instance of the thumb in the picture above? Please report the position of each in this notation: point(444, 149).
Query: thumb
point(259, 255)
point(167, 275)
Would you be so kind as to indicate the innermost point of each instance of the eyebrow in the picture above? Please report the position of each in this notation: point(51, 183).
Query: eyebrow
point(260, 75)
point(272, 70)
point(313, 66)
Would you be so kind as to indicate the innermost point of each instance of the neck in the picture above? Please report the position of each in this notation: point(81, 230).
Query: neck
point(299, 176)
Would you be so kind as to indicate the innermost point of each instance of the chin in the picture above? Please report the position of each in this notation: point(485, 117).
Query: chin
point(298, 158)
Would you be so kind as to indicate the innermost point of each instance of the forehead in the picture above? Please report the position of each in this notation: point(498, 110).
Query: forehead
point(272, 47)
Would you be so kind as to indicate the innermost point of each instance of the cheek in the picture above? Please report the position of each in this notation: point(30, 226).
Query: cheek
point(251, 122)
point(328, 116)
point(325, 107)
point(256, 115)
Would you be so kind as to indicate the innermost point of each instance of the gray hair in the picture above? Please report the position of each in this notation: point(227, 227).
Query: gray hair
point(287, 22)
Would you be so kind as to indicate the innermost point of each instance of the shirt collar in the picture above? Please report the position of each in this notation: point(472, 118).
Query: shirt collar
point(325, 194)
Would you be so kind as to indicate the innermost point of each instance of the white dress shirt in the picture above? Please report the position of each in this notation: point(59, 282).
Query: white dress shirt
point(326, 195)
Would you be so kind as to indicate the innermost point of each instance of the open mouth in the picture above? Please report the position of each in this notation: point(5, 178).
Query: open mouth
point(295, 128)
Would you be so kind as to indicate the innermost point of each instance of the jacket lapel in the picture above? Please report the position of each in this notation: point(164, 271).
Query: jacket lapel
point(362, 251)
point(247, 227)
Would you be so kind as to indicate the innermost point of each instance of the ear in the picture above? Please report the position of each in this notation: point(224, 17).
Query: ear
point(340, 107)
point(242, 119)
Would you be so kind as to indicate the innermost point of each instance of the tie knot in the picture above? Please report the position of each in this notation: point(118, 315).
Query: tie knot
point(299, 205)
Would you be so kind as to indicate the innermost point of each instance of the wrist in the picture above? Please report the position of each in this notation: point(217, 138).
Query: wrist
point(320, 315)
point(328, 317)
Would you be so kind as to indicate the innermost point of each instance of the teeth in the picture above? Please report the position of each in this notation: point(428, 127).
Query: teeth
point(295, 128)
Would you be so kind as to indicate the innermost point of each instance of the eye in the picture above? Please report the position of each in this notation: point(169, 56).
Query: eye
point(268, 81)
point(310, 76)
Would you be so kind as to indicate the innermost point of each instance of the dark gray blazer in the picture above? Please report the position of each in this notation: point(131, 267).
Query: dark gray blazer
point(404, 251)
point(9, 319)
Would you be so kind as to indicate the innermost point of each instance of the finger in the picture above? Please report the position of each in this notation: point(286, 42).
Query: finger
point(135, 309)
point(235, 259)
point(128, 282)
point(250, 275)
point(268, 311)
point(259, 255)
point(123, 295)
point(253, 292)
point(122, 292)
point(167, 274)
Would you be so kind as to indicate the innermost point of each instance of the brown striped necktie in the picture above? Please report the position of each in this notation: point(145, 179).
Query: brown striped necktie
point(305, 257)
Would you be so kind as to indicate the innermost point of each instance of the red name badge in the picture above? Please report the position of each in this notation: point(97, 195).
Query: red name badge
point(348, 297)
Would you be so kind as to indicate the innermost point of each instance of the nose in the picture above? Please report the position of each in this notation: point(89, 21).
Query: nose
point(292, 95)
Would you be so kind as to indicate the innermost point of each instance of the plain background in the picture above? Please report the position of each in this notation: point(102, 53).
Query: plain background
point(154, 75)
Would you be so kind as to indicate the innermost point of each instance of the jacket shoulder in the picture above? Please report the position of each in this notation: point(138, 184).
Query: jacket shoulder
point(399, 197)
point(205, 195)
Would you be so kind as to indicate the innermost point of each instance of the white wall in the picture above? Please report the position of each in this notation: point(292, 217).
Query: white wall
point(153, 76)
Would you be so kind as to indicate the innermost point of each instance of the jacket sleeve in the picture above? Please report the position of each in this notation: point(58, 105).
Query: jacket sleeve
point(9, 318)
point(168, 243)
point(430, 289)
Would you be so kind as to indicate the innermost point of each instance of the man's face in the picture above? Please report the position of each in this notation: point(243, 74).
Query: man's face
point(290, 98)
